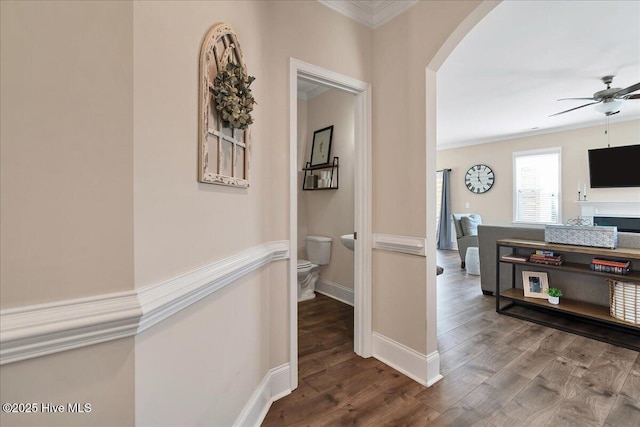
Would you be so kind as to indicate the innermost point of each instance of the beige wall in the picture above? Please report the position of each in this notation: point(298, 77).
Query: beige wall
point(218, 349)
point(221, 348)
point(181, 224)
point(330, 212)
point(66, 81)
point(404, 47)
point(200, 366)
point(302, 205)
point(496, 205)
point(66, 135)
point(101, 375)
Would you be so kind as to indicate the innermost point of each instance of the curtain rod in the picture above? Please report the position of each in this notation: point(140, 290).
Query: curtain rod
point(442, 170)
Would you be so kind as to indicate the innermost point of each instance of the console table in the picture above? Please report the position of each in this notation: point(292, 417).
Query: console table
point(579, 317)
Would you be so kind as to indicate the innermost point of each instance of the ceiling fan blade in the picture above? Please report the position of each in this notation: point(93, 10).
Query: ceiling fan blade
point(581, 99)
point(637, 96)
point(566, 111)
point(627, 90)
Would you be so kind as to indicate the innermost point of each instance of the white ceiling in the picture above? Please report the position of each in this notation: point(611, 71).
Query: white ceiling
point(308, 90)
point(505, 77)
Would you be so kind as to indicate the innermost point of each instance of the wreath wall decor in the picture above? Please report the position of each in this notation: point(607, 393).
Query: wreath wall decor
point(233, 97)
point(226, 104)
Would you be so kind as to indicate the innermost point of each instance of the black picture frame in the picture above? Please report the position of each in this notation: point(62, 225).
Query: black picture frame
point(321, 148)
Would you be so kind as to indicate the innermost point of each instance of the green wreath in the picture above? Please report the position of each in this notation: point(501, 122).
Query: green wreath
point(232, 94)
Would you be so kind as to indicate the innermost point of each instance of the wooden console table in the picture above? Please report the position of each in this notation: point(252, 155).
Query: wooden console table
point(579, 317)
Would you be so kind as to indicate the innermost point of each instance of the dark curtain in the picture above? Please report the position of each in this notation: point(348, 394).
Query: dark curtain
point(444, 227)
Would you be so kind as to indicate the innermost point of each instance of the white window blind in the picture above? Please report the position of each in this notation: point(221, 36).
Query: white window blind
point(537, 186)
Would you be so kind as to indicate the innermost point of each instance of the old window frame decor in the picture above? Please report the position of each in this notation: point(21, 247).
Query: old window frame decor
point(321, 147)
point(226, 103)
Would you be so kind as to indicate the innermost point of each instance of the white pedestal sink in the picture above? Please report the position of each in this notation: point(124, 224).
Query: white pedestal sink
point(348, 241)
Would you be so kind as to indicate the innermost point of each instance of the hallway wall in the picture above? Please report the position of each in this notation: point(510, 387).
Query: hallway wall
point(220, 349)
point(66, 82)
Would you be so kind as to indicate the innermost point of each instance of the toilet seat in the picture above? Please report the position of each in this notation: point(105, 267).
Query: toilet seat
point(303, 264)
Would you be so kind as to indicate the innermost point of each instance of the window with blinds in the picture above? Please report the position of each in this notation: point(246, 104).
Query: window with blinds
point(536, 186)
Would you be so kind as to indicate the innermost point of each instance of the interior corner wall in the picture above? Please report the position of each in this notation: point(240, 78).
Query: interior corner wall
point(496, 205)
point(67, 136)
point(66, 78)
point(404, 47)
point(227, 342)
point(299, 30)
point(331, 212)
point(209, 358)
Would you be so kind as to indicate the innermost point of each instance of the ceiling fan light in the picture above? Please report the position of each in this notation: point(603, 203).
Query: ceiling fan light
point(609, 107)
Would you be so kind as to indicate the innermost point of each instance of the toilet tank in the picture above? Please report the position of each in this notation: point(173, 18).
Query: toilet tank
point(319, 249)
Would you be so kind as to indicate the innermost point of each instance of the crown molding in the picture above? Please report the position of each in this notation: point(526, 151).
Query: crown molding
point(306, 96)
point(371, 13)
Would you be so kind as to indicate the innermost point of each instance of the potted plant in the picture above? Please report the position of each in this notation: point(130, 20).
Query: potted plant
point(554, 295)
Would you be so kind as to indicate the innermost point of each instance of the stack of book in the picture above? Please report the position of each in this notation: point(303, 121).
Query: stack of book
point(545, 257)
point(514, 258)
point(607, 265)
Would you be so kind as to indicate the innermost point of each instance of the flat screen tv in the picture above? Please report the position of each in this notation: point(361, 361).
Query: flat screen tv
point(615, 167)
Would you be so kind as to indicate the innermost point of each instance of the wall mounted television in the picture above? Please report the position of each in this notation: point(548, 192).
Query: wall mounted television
point(615, 167)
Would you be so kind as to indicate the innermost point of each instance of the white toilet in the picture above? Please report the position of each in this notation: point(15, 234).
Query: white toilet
point(319, 253)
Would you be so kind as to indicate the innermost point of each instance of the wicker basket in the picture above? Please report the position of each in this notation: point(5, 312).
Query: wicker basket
point(624, 301)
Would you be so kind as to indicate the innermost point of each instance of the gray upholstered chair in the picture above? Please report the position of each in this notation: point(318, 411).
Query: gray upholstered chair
point(466, 233)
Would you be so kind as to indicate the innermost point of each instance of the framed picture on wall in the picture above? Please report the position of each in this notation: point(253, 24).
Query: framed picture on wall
point(321, 148)
point(535, 284)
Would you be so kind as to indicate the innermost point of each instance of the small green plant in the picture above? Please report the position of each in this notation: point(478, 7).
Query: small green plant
point(554, 292)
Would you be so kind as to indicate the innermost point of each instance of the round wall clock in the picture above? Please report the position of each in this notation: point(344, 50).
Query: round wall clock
point(479, 179)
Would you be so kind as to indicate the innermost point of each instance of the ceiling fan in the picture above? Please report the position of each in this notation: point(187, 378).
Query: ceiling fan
point(609, 100)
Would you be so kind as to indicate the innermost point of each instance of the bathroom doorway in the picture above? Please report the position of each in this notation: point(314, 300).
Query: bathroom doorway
point(326, 194)
point(311, 211)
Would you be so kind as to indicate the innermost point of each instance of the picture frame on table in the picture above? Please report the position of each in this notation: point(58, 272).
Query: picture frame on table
point(535, 284)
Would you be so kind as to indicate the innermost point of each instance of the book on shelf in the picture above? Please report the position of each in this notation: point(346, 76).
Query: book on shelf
point(545, 258)
point(610, 269)
point(544, 253)
point(611, 262)
point(514, 258)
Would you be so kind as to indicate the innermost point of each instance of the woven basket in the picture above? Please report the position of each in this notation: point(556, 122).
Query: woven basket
point(624, 301)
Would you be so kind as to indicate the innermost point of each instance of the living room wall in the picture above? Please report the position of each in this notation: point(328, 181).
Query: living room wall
point(496, 205)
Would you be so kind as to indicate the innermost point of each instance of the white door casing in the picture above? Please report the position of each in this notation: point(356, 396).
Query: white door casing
point(363, 205)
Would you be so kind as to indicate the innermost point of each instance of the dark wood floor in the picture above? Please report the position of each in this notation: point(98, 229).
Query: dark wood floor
point(498, 371)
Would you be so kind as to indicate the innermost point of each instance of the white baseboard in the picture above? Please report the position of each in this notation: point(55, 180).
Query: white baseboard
point(420, 368)
point(433, 368)
point(273, 386)
point(335, 291)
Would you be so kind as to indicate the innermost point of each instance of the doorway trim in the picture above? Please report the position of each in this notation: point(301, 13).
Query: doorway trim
point(363, 204)
point(431, 86)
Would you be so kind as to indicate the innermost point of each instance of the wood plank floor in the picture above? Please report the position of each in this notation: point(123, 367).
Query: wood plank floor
point(498, 371)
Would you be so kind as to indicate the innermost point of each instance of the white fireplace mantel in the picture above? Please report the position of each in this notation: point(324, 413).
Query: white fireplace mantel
point(589, 209)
